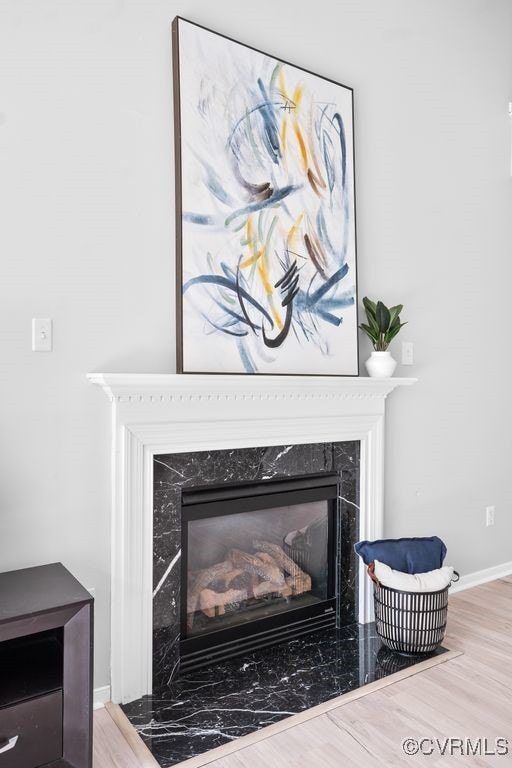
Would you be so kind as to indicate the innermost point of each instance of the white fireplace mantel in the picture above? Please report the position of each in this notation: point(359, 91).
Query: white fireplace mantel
point(171, 413)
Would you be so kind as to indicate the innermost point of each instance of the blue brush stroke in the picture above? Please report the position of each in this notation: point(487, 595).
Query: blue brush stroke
point(224, 328)
point(233, 275)
point(336, 123)
point(271, 133)
point(335, 278)
point(322, 230)
point(227, 270)
point(327, 153)
point(323, 307)
point(213, 183)
point(343, 144)
point(318, 304)
point(276, 196)
point(265, 105)
point(338, 302)
point(328, 317)
point(231, 285)
point(245, 358)
point(235, 315)
point(199, 218)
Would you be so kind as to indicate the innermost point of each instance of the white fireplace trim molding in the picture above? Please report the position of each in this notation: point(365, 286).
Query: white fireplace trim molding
point(171, 413)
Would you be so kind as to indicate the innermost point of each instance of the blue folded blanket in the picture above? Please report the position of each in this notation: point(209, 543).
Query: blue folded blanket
point(416, 555)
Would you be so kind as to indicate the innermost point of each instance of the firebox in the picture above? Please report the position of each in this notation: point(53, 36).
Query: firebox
point(258, 564)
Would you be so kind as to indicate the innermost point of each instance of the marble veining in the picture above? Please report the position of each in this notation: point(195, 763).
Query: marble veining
point(218, 704)
point(173, 472)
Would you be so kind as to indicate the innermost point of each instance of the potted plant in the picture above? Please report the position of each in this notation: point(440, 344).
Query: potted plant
point(382, 327)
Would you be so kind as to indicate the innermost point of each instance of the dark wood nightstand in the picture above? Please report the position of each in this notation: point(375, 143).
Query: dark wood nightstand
point(46, 644)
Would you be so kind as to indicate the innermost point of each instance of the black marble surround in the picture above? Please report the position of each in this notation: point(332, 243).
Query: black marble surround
point(173, 472)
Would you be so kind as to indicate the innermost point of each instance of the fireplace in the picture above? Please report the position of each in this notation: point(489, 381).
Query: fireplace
point(177, 418)
point(258, 564)
point(173, 434)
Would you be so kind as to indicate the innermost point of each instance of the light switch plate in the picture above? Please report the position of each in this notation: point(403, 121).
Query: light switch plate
point(41, 334)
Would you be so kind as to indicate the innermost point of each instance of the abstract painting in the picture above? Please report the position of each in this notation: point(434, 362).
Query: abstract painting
point(266, 251)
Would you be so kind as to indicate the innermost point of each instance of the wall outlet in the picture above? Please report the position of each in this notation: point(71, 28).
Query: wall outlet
point(407, 353)
point(489, 515)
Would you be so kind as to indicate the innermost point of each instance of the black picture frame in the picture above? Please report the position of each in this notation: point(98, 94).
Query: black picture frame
point(178, 138)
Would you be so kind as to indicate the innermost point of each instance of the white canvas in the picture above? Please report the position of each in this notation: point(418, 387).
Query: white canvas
point(268, 262)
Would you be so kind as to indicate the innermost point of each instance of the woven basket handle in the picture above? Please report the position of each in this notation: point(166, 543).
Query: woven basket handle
point(371, 574)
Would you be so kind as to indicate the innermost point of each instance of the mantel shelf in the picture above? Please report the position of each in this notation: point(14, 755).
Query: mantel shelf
point(148, 386)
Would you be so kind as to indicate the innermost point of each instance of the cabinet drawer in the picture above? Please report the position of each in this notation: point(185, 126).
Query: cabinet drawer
point(37, 724)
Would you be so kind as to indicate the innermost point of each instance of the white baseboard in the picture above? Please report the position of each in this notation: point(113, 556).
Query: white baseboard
point(481, 577)
point(101, 696)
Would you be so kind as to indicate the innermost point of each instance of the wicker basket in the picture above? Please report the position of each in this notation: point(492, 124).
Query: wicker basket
point(411, 623)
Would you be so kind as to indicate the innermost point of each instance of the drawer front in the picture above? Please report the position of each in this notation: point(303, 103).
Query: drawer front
point(37, 724)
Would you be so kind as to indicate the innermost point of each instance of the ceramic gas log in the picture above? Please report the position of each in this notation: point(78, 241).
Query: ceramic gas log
point(244, 577)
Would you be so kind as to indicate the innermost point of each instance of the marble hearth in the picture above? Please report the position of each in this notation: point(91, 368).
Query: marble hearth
point(297, 420)
point(218, 705)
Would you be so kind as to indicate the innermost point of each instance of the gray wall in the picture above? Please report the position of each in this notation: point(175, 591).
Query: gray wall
point(86, 237)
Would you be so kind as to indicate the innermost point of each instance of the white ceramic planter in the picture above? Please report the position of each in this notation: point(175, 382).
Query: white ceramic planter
point(380, 365)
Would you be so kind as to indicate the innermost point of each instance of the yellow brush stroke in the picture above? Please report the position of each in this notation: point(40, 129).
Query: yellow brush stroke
point(262, 269)
point(302, 146)
point(276, 317)
point(284, 118)
point(248, 231)
point(254, 255)
point(306, 149)
point(284, 125)
point(297, 96)
point(251, 259)
point(267, 285)
point(292, 234)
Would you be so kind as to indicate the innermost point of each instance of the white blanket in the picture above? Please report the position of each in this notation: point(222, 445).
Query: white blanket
point(431, 581)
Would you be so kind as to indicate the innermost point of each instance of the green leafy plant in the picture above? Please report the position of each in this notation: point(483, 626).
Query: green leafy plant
point(383, 323)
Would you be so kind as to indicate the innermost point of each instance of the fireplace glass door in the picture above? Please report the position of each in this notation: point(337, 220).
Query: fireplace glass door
point(257, 560)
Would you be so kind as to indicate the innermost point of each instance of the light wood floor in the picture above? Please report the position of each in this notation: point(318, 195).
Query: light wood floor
point(466, 697)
